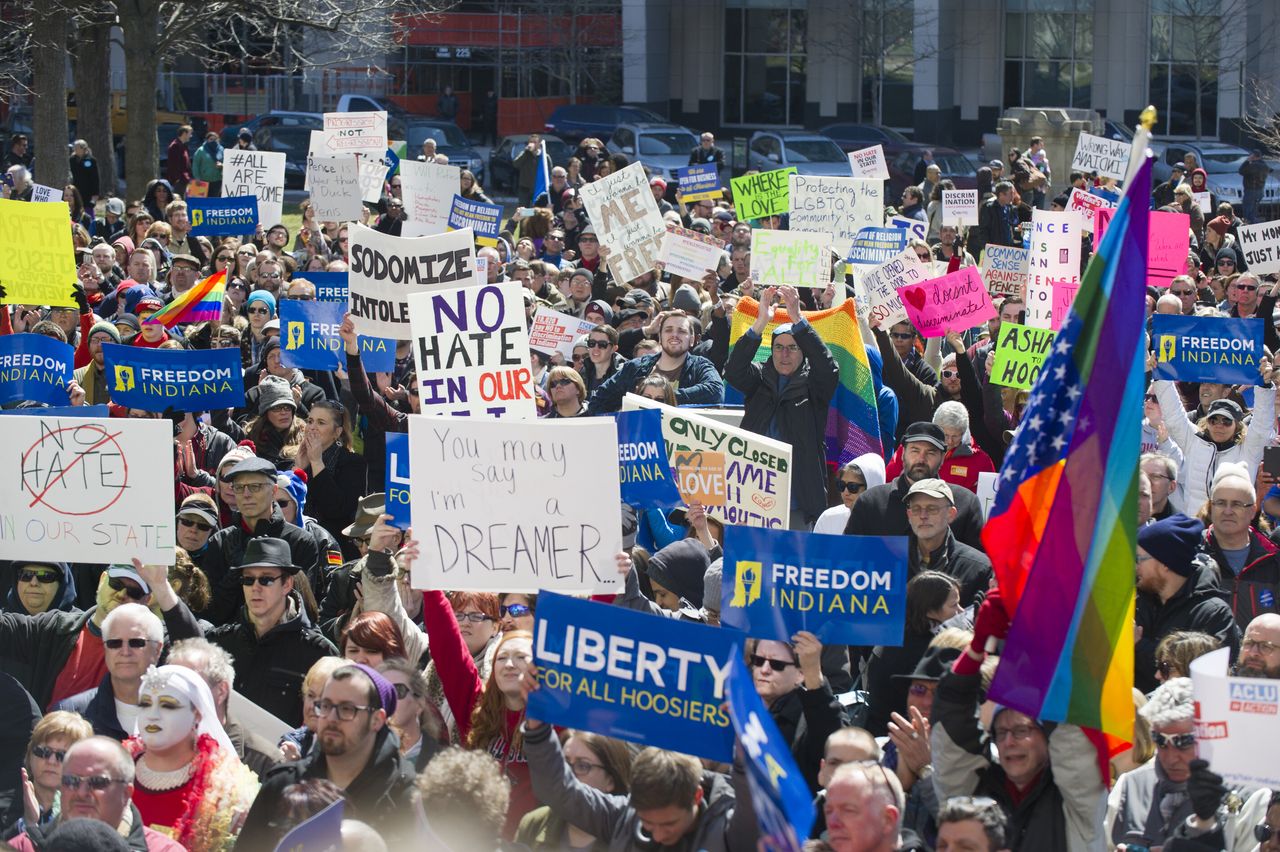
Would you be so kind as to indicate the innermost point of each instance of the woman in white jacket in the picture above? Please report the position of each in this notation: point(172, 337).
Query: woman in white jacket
point(1221, 436)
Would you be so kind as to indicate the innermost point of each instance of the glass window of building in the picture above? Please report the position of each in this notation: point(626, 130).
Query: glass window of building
point(1048, 50)
point(1185, 44)
point(764, 62)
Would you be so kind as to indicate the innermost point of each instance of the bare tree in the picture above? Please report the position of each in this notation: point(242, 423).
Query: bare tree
point(572, 29)
point(1261, 118)
point(91, 68)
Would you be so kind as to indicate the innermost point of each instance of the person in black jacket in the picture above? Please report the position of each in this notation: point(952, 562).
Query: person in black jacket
point(36, 587)
point(336, 476)
point(603, 359)
point(707, 152)
point(357, 752)
point(20, 715)
point(1177, 590)
point(883, 510)
point(273, 644)
point(930, 511)
point(788, 397)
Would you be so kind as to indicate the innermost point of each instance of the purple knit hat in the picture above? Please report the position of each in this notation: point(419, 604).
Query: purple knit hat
point(386, 692)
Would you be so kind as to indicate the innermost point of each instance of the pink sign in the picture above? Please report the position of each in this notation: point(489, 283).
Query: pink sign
point(1168, 242)
point(958, 301)
point(1064, 293)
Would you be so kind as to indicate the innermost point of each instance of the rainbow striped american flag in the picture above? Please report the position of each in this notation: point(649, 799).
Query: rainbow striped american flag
point(202, 303)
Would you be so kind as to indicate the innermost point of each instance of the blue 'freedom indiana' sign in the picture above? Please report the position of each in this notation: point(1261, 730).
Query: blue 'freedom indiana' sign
point(34, 367)
point(634, 676)
point(845, 590)
point(310, 341)
point(1207, 349)
point(330, 286)
point(216, 217)
point(182, 379)
point(644, 471)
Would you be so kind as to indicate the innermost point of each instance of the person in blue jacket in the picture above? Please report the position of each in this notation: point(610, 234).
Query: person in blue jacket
point(695, 378)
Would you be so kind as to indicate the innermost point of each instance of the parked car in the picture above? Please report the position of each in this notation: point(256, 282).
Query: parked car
point(1222, 164)
point(276, 118)
point(575, 122)
point(855, 137)
point(294, 142)
point(502, 171)
point(955, 166)
point(810, 153)
point(660, 148)
point(450, 141)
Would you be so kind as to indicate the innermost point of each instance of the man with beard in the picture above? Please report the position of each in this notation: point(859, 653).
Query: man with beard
point(694, 377)
point(1260, 648)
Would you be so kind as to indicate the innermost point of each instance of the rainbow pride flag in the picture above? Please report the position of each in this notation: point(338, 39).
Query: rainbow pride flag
point(1062, 535)
point(202, 303)
point(853, 427)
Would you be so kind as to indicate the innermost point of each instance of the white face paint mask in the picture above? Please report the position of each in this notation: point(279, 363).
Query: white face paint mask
point(165, 718)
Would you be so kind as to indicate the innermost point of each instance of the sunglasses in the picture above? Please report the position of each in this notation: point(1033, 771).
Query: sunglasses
point(851, 487)
point(598, 344)
point(264, 311)
point(559, 383)
point(1221, 421)
point(247, 582)
point(97, 783)
point(136, 643)
point(516, 610)
point(134, 592)
point(46, 753)
point(949, 374)
point(200, 525)
point(922, 689)
point(1181, 742)
point(1165, 668)
point(758, 661)
point(899, 336)
point(1151, 398)
point(403, 691)
point(46, 577)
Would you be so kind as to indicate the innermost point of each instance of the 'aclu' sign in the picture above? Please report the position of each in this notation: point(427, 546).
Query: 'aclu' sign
point(215, 217)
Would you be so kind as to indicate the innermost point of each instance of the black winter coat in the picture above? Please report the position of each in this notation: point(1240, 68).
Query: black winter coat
point(882, 511)
point(1199, 605)
point(333, 493)
point(805, 718)
point(98, 707)
point(799, 409)
point(968, 566)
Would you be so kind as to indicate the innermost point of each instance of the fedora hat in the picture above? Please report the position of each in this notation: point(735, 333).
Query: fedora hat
point(268, 552)
point(367, 512)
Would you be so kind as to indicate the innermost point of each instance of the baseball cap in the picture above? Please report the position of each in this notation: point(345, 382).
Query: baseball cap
point(1226, 408)
point(929, 433)
point(200, 506)
point(932, 488)
point(128, 572)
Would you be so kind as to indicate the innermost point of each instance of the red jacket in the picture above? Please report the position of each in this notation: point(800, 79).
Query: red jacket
point(961, 466)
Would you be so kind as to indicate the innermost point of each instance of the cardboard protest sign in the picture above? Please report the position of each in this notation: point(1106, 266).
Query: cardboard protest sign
point(553, 332)
point(1085, 203)
point(758, 469)
point(700, 476)
point(689, 254)
point(37, 258)
point(955, 302)
point(869, 163)
point(371, 175)
point(798, 258)
point(877, 245)
point(1054, 256)
point(484, 220)
point(1207, 349)
point(626, 675)
point(627, 221)
point(1106, 157)
point(197, 189)
point(335, 188)
point(472, 351)
point(987, 490)
point(1064, 293)
point(84, 489)
point(505, 504)
point(1261, 247)
point(780, 796)
point(41, 194)
point(398, 488)
point(386, 269)
point(213, 217)
point(309, 339)
point(362, 133)
point(878, 288)
point(1004, 269)
point(330, 286)
point(1204, 201)
point(779, 582)
point(914, 227)
point(428, 190)
point(1236, 722)
point(34, 367)
point(182, 379)
point(960, 206)
point(839, 206)
point(1020, 350)
point(257, 173)
point(762, 194)
point(698, 183)
point(643, 469)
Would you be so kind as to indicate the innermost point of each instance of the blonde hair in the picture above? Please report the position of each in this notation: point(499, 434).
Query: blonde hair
point(59, 723)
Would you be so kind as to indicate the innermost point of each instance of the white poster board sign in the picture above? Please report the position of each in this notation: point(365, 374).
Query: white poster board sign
point(689, 254)
point(362, 133)
point(335, 189)
point(84, 489)
point(1086, 204)
point(1236, 722)
point(1054, 256)
point(877, 288)
point(869, 163)
point(838, 206)
point(427, 190)
point(1107, 157)
point(259, 173)
point(960, 206)
point(627, 222)
point(1261, 246)
point(501, 505)
point(384, 270)
point(553, 332)
point(45, 194)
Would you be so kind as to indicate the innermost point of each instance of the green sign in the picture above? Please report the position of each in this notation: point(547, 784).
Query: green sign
point(1020, 350)
point(762, 194)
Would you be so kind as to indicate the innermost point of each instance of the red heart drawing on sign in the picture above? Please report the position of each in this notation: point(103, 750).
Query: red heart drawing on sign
point(914, 296)
point(763, 502)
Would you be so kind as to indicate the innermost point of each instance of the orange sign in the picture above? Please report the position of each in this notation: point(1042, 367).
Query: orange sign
point(198, 189)
point(700, 476)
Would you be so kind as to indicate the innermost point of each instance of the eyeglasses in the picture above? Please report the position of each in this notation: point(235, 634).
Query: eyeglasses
point(265, 311)
point(554, 237)
point(920, 689)
point(1263, 833)
point(582, 767)
point(1221, 421)
point(247, 581)
point(559, 383)
point(46, 753)
point(200, 525)
point(1151, 398)
point(517, 610)
point(1235, 505)
point(97, 783)
point(134, 592)
point(473, 617)
point(46, 577)
point(786, 350)
point(851, 487)
point(271, 276)
point(135, 643)
point(598, 344)
point(251, 487)
point(900, 336)
point(403, 691)
point(922, 511)
point(1181, 742)
point(1259, 646)
point(1184, 292)
point(1017, 732)
point(345, 711)
point(586, 239)
point(758, 661)
point(227, 257)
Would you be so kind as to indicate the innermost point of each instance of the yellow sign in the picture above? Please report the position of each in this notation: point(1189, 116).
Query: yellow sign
point(124, 378)
point(1168, 347)
point(746, 586)
point(37, 258)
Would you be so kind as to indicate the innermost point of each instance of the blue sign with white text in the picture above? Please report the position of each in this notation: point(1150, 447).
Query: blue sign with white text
point(1207, 349)
point(877, 245)
point(310, 341)
point(846, 591)
point(182, 379)
point(624, 674)
point(397, 485)
point(35, 368)
point(330, 286)
point(216, 217)
point(779, 794)
point(644, 470)
point(699, 182)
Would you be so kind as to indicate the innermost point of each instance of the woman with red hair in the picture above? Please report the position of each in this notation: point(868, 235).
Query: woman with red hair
point(371, 638)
